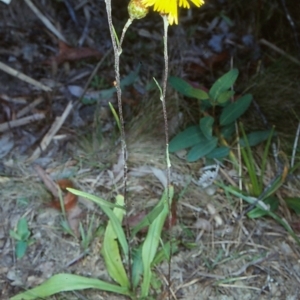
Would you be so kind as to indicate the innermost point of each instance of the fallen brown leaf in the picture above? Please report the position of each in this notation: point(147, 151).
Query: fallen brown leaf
point(67, 53)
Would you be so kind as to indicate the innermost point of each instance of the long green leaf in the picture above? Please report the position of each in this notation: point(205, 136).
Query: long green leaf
point(110, 249)
point(95, 199)
point(115, 218)
point(69, 282)
point(225, 96)
point(152, 239)
point(250, 164)
point(148, 219)
point(223, 83)
point(186, 89)
point(206, 126)
point(256, 137)
point(201, 149)
point(218, 153)
point(255, 213)
point(234, 110)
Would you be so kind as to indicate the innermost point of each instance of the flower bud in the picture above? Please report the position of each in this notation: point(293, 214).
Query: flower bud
point(137, 10)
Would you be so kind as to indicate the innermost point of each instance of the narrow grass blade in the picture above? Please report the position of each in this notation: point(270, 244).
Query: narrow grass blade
point(69, 282)
point(93, 198)
point(251, 200)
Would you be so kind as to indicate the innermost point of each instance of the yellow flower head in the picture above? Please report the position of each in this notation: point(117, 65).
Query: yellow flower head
point(170, 7)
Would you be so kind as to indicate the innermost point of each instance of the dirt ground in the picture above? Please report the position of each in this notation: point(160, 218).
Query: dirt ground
point(219, 256)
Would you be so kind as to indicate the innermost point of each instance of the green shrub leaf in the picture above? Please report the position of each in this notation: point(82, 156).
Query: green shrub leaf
point(223, 84)
point(228, 131)
point(218, 153)
point(201, 149)
point(22, 229)
point(21, 248)
point(234, 110)
point(225, 96)
point(186, 89)
point(255, 138)
point(187, 138)
point(206, 126)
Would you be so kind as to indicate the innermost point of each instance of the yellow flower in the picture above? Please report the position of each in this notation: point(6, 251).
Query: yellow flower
point(170, 7)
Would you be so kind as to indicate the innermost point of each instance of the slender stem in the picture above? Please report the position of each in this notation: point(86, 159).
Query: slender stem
point(128, 23)
point(117, 53)
point(164, 107)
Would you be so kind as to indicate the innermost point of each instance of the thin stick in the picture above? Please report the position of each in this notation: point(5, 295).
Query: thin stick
point(24, 77)
point(117, 52)
point(46, 22)
point(280, 51)
point(29, 107)
point(164, 107)
point(20, 122)
point(59, 121)
point(295, 146)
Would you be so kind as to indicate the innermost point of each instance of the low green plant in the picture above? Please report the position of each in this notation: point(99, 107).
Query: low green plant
point(130, 269)
point(22, 236)
point(262, 199)
point(215, 132)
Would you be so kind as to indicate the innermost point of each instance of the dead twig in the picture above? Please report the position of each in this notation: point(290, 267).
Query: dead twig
point(24, 77)
point(29, 107)
point(48, 181)
point(280, 51)
point(50, 134)
point(20, 122)
point(46, 22)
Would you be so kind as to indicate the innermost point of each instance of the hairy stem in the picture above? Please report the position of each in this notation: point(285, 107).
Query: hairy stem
point(164, 107)
point(117, 53)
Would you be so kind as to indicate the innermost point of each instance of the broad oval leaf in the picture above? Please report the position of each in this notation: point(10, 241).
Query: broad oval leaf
point(234, 110)
point(206, 126)
point(201, 149)
point(22, 229)
point(255, 138)
point(186, 89)
point(187, 138)
point(223, 84)
point(218, 153)
point(225, 96)
point(21, 248)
